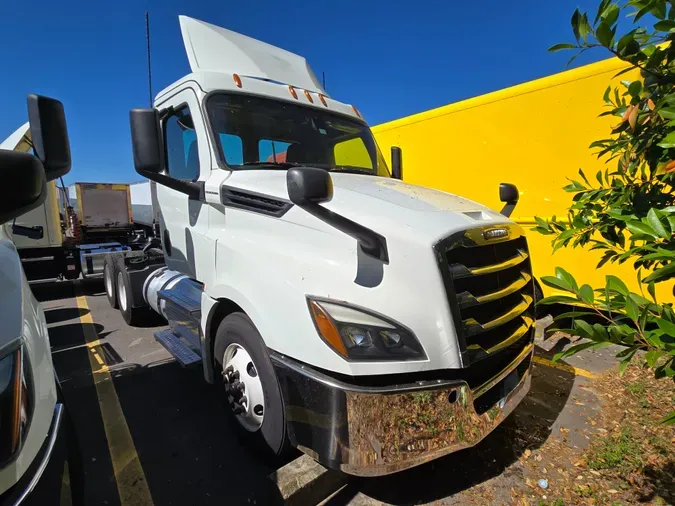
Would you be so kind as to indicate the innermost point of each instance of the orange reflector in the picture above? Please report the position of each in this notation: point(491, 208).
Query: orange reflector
point(293, 93)
point(357, 111)
point(309, 97)
point(327, 329)
point(16, 413)
point(323, 100)
point(237, 80)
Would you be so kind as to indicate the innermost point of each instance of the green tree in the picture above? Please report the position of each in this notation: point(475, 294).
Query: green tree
point(628, 211)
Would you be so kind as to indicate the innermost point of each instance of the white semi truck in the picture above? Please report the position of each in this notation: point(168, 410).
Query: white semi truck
point(33, 418)
point(373, 324)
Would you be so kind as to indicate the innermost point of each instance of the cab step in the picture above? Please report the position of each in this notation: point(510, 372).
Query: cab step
point(174, 345)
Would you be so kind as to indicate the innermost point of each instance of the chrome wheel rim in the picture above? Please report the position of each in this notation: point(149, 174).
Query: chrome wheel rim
point(244, 388)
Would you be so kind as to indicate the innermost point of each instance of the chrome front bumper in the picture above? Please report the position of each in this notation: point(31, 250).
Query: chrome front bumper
point(373, 431)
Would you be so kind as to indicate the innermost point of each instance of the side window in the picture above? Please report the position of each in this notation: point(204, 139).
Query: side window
point(272, 151)
point(232, 149)
point(182, 156)
point(353, 153)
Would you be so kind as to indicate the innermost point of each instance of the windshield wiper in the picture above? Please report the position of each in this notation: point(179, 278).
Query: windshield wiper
point(351, 170)
point(275, 165)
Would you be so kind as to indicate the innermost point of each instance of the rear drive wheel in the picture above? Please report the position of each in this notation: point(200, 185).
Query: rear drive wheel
point(110, 280)
point(134, 316)
point(250, 383)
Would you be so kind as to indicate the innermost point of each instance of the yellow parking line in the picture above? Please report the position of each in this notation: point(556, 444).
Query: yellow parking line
point(131, 483)
point(564, 367)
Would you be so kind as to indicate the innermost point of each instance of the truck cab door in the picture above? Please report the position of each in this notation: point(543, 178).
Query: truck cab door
point(187, 159)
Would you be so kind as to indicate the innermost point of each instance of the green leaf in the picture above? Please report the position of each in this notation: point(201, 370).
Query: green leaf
point(632, 309)
point(562, 274)
point(652, 291)
point(601, 10)
point(666, 326)
point(576, 19)
point(604, 34)
point(558, 47)
point(668, 141)
point(616, 285)
point(624, 363)
point(652, 356)
point(665, 25)
point(542, 223)
point(669, 419)
point(637, 227)
point(577, 348)
point(585, 330)
point(555, 282)
point(605, 258)
point(583, 176)
point(587, 295)
point(635, 88)
point(655, 223)
point(611, 14)
point(661, 274)
point(584, 27)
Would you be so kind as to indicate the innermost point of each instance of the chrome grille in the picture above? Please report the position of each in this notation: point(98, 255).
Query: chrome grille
point(490, 290)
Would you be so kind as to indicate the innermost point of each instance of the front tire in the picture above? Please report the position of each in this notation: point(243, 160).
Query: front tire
point(250, 384)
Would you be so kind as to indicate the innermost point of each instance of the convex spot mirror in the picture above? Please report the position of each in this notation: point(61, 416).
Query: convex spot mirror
point(509, 194)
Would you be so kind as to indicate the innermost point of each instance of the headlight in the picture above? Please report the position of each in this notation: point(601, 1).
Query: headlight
point(16, 403)
point(359, 334)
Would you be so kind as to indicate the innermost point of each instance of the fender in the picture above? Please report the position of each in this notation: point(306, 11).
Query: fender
point(213, 312)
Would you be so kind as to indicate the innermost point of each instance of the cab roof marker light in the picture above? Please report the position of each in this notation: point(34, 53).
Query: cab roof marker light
point(357, 112)
point(323, 99)
point(293, 93)
point(309, 97)
point(237, 80)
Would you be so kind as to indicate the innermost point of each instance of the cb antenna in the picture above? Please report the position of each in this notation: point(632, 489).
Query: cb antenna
point(147, 40)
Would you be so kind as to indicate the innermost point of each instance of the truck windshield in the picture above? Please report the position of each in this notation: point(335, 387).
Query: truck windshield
point(260, 133)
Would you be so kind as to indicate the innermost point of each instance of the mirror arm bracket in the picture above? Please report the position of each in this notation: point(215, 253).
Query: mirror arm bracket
point(371, 243)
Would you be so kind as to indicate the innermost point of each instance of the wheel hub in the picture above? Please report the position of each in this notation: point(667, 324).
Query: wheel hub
point(243, 387)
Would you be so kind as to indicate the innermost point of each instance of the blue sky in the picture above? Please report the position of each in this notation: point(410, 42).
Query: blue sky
point(390, 58)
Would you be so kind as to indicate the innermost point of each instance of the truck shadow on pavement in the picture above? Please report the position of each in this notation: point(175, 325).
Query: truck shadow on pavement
point(186, 442)
point(528, 427)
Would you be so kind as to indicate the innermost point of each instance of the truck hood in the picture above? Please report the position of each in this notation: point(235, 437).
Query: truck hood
point(387, 206)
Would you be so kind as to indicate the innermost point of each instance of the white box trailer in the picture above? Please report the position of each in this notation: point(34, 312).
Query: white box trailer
point(332, 300)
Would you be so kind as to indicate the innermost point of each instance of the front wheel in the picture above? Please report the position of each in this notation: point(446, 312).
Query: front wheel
point(250, 383)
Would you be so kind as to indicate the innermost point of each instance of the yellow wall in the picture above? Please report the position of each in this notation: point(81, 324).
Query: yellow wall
point(534, 135)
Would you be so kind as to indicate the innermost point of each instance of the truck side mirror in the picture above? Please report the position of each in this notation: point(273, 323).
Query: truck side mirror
point(148, 148)
point(309, 185)
point(509, 194)
point(146, 139)
point(396, 163)
point(49, 135)
point(23, 185)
